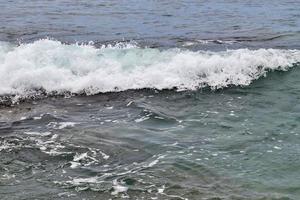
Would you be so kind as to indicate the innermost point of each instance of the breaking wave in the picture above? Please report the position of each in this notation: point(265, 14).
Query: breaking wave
point(54, 67)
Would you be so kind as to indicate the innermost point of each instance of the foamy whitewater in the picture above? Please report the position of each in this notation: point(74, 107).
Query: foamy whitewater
point(58, 68)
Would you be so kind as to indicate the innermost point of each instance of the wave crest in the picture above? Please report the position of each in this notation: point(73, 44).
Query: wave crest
point(55, 67)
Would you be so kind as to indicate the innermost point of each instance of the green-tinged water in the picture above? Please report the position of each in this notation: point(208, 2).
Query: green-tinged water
point(235, 143)
point(150, 100)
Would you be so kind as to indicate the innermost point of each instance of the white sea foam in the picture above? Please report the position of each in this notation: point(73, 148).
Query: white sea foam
point(78, 181)
point(118, 188)
point(61, 125)
point(38, 133)
point(56, 67)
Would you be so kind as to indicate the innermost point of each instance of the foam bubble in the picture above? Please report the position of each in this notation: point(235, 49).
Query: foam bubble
point(118, 188)
point(61, 125)
point(59, 68)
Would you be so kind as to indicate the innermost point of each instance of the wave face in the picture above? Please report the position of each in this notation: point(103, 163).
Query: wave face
point(59, 68)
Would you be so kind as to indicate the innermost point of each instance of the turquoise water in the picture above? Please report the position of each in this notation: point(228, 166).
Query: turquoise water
point(157, 100)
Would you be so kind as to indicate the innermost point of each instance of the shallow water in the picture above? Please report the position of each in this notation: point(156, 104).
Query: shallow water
point(170, 100)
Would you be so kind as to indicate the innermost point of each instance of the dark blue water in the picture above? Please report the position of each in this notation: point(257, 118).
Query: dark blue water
point(150, 100)
point(264, 23)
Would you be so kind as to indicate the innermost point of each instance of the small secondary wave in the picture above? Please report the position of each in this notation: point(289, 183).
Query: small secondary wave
point(58, 68)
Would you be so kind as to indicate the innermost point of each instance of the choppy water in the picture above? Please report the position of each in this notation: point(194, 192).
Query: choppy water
point(150, 100)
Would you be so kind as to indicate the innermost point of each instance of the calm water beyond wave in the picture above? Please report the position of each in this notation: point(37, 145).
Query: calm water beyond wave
point(191, 100)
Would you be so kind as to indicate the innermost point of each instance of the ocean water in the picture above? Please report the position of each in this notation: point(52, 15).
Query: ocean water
point(194, 100)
